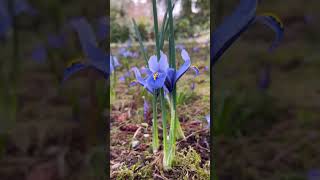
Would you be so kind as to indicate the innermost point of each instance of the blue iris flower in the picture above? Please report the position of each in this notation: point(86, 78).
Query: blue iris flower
point(157, 71)
point(97, 58)
point(174, 75)
point(233, 26)
point(160, 74)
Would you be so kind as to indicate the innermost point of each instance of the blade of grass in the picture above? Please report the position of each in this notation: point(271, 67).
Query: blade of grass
point(142, 48)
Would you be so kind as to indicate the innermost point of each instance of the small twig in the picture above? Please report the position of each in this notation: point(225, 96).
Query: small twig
point(136, 133)
point(192, 134)
point(159, 176)
point(201, 147)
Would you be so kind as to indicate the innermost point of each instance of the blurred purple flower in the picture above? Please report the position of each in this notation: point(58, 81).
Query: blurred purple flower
point(39, 54)
point(22, 6)
point(193, 85)
point(313, 174)
point(180, 47)
point(208, 119)
point(56, 41)
point(126, 75)
point(122, 79)
point(197, 72)
point(196, 49)
point(264, 79)
point(145, 109)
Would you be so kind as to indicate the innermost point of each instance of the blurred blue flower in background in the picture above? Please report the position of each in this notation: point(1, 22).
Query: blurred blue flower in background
point(313, 174)
point(39, 54)
point(208, 120)
point(97, 58)
point(19, 7)
point(180, 47)
point(264, 81)
point(233, 26)
point(146, 108)
point(56, 41)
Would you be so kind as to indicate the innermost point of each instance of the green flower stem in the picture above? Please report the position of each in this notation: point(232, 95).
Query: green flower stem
point(164, 125)
point(155, 139)
point(172, 138)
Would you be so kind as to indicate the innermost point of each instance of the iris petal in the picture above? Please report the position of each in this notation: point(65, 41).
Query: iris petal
point(84, 30)
point(153, 63)
point(231, 28)
point(171, 75)
point(69, 71)
point(163, 63)
point(158, 82)
point(184, 67)
point(103, 28)
point(275, 24)
point(97, 58)
point(140, 80)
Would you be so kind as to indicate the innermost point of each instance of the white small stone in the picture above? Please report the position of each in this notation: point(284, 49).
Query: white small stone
point(144, 124)
point(134, 143)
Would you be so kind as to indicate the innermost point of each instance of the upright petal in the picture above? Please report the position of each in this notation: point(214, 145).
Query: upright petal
point(153, 63)
point(163, 63)
point(275, 24)
point(85, 32)
point(231, 28)
point(102, 28)
point(185, 66)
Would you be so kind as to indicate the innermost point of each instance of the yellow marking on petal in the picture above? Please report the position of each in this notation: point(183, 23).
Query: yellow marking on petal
point(155, 75)
point(275, 17)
